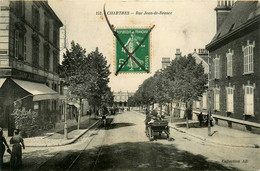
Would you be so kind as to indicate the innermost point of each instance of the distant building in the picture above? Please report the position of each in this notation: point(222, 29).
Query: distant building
point(29, 56)
point(121, 98)
point(234, 61)
point(165, 62)
point(178, 53)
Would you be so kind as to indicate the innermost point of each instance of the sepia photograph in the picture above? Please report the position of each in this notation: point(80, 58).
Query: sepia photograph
point(129, 85)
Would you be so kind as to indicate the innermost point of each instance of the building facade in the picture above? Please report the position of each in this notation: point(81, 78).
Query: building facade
point(121, 98)
point(29, 56)
point(234, 61)
point(165, 62)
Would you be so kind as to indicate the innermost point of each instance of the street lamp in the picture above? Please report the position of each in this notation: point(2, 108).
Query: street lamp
point(65, 119)
point(209, 111)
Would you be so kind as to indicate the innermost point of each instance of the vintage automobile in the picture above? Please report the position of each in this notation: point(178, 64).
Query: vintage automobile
point(156, 127)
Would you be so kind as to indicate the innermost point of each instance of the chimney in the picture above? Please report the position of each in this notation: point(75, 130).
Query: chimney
point(222, 10)
point(178, 53)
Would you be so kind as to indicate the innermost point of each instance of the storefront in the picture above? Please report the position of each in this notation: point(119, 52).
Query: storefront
point(30, 95)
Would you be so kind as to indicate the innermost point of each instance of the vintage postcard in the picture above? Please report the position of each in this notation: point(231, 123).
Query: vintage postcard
point(129, 85)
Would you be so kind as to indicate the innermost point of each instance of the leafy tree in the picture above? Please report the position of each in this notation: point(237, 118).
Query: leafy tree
point(162, 87)
point(189, 81)
point(74, 72)
point(99, 71)
point(86, 76)
point(108, 98)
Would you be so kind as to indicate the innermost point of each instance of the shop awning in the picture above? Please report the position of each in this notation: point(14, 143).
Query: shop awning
point(37, 90)
point(2, 80)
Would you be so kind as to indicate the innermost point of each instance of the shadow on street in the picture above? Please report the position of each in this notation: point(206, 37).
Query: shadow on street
point(119, 125)
point(133, 156)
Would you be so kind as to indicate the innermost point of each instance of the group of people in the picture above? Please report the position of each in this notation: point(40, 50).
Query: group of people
point(152, 116)
point(16, 152)
point(203, 119)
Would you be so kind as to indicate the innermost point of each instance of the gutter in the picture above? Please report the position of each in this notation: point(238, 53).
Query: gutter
point(242, 27)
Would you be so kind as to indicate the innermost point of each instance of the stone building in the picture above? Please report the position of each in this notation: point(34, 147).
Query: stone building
point(29, 56)
point(165, 62)
point(234, 62)
point(121, 98)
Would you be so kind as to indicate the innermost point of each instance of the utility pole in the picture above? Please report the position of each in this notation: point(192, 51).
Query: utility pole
point(80, 111)
point(209, 112)
point(65, 119)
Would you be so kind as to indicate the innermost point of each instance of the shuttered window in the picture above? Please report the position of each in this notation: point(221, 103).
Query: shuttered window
point(229, 64)
point(216, 68)
point(230, 99)
point(217, 99)
point(249, 100)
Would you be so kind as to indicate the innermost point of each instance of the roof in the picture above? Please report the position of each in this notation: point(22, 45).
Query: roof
point(199, 59)
point(241, 13)
point(51, 12)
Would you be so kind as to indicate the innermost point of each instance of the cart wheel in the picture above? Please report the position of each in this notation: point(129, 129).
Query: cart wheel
point(151, 137)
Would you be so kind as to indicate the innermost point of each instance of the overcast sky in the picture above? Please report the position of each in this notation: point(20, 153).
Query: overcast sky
point(191, 25)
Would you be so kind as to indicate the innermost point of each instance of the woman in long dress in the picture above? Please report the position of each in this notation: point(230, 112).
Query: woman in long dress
point(3, 143)
point(16, 156)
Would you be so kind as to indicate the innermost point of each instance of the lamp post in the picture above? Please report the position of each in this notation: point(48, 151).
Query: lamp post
point(209, 111)
point(65, 119)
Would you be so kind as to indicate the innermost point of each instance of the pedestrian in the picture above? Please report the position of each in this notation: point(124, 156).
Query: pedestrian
point(3, 143)
point(16, 155)
point(200, 117)
point(146, 112)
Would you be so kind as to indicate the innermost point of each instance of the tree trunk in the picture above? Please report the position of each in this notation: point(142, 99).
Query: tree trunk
point(160, 109)
point(80, 112)
point(186, 115)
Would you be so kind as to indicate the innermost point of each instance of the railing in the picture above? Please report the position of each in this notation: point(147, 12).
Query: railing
point(231, 120)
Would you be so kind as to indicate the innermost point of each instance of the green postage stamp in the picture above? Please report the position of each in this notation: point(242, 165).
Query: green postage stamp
point(131, 38)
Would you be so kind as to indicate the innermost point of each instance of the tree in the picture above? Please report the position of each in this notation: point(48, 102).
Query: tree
point(74, 72)
point(86, 76)
point(99, 71)
point(108, 97)
point(162, 87)
point(189, 81)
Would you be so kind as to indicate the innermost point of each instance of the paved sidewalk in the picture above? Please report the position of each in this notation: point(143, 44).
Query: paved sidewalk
point(57, 138)
point(222, 136)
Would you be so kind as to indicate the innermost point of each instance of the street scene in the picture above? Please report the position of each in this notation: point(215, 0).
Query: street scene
point(122, 145)
point(129, 85)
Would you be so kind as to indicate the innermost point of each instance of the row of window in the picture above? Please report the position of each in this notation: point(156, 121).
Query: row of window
point(248, 61)
point(120, 97)
point(20, 12)
point(20, 51)
point(248, 99)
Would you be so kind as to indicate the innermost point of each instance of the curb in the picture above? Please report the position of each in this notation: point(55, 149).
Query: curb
point(215, 142)
point(68, 142)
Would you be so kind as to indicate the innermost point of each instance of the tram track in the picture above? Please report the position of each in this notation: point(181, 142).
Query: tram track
point(74, 157)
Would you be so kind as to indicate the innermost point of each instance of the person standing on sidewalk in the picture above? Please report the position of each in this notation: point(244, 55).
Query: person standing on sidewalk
point(3, 143)
point(16, 155)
